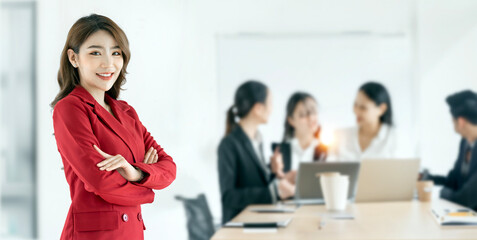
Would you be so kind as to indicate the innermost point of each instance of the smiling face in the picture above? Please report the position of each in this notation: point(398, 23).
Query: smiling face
point(305, 118)
point(366, 111)
point(99, 62)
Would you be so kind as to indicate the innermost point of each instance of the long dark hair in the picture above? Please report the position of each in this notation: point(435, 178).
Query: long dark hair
point(246, 96)
point(68, 76)
point(379, 95)
point(294, 100)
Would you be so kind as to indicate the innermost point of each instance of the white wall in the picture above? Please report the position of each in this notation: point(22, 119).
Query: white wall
point(329, 65)
point(173, 80)
point(447, 57)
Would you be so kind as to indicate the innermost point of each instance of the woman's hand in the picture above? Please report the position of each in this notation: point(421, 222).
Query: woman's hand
point(120, 164)
point(285, 189)
point(276, 163)
point(151, 156)
point(291, 176)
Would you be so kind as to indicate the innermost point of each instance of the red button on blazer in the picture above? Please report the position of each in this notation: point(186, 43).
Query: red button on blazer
point(101, 199)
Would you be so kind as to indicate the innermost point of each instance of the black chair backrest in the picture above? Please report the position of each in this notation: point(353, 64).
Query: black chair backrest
point(200, 224)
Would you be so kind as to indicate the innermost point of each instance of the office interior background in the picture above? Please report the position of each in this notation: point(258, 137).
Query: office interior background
point(188, 57)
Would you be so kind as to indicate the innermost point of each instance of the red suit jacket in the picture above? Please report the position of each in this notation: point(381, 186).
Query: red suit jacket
point(104, 204)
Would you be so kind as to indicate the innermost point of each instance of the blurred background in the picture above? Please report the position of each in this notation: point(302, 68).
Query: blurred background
point(188, 57)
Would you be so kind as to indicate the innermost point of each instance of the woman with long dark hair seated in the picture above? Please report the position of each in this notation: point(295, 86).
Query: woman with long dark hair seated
point(301, 141)
point(374, 136)
point(244, 176)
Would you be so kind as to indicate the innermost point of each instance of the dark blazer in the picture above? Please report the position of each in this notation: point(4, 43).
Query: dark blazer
point(458, 188)
point(242, 177)
point(320, 154)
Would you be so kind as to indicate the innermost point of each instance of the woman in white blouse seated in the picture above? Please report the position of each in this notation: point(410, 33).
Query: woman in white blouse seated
point(301, 138)
point(374, 136)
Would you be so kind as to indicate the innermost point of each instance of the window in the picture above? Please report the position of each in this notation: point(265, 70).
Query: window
point(17, 120)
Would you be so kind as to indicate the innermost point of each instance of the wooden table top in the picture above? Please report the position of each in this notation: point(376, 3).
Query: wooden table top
point(384, 220)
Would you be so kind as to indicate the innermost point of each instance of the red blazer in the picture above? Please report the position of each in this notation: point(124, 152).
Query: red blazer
point(104, 205)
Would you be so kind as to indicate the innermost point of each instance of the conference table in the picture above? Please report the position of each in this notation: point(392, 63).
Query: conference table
point(380, 220)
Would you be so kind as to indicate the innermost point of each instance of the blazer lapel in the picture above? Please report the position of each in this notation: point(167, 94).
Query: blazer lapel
point(116, 125)
point(473, 161)
point(251, 151)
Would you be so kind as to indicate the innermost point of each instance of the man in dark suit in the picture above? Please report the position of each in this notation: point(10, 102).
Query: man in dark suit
point(460, 185)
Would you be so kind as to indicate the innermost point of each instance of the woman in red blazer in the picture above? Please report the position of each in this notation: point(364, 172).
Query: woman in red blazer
point(111, 161)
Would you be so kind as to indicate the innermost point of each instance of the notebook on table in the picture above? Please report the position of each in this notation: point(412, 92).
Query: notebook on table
point(454, 217)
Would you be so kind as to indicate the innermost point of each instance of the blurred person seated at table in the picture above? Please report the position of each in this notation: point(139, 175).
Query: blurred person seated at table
point(460, 185)
point(244, 176)
point(301, 141)
point(374, 136)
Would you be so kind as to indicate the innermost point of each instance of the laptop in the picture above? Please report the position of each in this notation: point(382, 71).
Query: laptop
point(387, 180)
point(308, 187)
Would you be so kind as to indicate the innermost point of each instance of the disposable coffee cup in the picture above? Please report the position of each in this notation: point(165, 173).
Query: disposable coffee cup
point(424, 190)
point(335, 190)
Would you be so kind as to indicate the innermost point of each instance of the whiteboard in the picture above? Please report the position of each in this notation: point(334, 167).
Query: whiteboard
point(329, 66)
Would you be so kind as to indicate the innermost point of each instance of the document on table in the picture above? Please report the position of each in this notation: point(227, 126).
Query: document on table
point(272, 210)
point(259, 224)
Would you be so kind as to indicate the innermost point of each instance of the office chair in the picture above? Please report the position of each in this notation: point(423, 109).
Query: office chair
point(200, 224)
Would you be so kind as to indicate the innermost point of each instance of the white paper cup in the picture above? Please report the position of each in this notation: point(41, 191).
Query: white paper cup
point(335, 191)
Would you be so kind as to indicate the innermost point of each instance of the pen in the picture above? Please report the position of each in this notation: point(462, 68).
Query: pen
point(321, 224)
